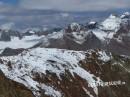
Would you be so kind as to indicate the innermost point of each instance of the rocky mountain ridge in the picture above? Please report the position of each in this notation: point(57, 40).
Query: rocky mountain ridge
point(64, 73)
point(111, 34)
point(89, 60)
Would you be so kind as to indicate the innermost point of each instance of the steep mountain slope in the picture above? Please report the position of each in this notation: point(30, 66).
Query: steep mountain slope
point(74, 37)
point(120, 43)
point(9, 88)
point(5, 34)
point(35, 68)
point(113, 70)
point(64, 73)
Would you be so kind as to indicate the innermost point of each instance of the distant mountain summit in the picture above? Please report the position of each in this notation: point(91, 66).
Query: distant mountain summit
point(111, 34)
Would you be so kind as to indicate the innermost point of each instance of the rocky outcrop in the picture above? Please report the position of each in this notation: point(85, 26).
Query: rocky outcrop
point(11, 52)
point(115, 69)
point(9, 88)
point(5, 35)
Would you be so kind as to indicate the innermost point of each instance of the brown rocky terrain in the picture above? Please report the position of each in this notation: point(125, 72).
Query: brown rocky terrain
point(108, 67)
point(116, 69)
point(10, 88)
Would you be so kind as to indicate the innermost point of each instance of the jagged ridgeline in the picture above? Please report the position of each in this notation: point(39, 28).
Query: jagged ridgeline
point(89, 60)
point(112, 34)
point(65, 73)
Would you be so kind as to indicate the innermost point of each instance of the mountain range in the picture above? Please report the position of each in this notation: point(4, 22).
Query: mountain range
point(79, 60)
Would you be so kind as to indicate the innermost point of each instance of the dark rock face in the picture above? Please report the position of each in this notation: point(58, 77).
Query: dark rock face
point(67, 42)
point(11, 52)
point(9, 88)
point(110, 71)
point(119, 48)
point(120, 44)
point(91, 42)
point(70, 42)
point(6, 35)
point(92, 25)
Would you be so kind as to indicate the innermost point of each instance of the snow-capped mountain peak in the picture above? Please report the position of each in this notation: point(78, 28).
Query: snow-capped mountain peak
point(75, 26)
point(112, 23)
point(75, 36)
point(125, 15)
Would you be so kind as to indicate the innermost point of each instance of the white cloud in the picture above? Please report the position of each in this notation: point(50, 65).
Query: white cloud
point(75, 5)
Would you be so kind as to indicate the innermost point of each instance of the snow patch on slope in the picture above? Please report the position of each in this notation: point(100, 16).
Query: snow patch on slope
point(80, 37)
point(38, 60)
point(102, 35)
point(103, 56)
point(56, 35)
point(50, 91)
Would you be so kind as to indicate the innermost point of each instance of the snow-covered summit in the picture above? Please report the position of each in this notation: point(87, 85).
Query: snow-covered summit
point(125, 15)
point(92, 22)
point(112, 23)
point(75, 26)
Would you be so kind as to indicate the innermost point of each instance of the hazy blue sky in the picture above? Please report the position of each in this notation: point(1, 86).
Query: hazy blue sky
point(12, 2)
point(68, 5)
point(31, 13)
